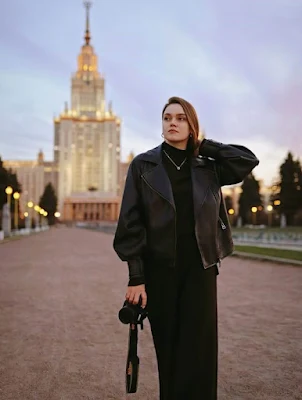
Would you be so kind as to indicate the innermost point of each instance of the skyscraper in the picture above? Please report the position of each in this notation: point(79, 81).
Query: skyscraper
point(87, 144)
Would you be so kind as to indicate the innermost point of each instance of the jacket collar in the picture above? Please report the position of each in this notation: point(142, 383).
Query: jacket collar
point(157, 177)
point(155, 156)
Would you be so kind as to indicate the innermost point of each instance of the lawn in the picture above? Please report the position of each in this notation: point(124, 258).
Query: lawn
point(290, 229)
point(265, 251)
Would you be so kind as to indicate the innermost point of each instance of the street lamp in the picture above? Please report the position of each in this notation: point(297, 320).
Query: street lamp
point(9, 191)
point(254, 211)
point(30, 205)
point(231, 212)
point(37, 219)
point(45, 213)
point(269, 209)
point(16, 196)
point(41, 212)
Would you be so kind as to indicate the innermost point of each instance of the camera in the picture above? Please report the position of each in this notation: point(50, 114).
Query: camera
point(132, 313)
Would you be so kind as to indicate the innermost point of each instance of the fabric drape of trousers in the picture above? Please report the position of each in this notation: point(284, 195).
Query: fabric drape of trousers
point(182, 306)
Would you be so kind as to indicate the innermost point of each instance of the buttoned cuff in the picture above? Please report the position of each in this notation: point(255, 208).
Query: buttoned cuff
point(136, 271)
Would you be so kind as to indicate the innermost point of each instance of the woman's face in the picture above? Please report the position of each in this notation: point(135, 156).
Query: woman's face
point(175, 126)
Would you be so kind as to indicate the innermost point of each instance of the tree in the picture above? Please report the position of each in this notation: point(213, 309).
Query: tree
point(48, 202)
point(3, 184)
point(290, 188)
point(249, 197)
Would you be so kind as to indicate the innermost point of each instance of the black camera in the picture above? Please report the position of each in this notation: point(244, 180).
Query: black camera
point(132, 313)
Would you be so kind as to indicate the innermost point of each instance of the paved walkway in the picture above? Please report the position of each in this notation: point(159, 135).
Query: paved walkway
point(60, 338)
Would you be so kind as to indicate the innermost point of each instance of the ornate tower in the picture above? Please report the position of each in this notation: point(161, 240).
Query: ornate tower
point(87, 88)
point(87, 135)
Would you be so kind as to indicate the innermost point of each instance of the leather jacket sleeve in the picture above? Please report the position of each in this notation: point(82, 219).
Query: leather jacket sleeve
point(234, 162)
point(130, 236)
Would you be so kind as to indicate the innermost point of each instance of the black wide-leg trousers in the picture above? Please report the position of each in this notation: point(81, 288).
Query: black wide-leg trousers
point(182, 307)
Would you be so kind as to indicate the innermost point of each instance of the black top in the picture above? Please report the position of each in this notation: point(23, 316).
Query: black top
point(181, 186)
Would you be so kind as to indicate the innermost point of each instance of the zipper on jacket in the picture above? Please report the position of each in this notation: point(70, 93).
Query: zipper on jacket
point(175, 236)
point(223, 226)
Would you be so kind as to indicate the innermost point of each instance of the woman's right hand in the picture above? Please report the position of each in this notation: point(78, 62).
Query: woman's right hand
point(135, 292)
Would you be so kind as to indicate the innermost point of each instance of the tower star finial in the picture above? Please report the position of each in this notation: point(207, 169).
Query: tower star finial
point(87, 5)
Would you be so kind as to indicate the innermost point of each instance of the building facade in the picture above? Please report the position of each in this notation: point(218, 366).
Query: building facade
point(33, 175)
point(87, 144)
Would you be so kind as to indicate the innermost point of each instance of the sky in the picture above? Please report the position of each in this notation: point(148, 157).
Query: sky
point(238, 62)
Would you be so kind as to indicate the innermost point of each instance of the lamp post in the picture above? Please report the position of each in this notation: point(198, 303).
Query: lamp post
point(269, 209)
point(30, 205)
point(254, 211)
point(41, 217)
point(37, 209)
point(9, 191)
point(45, 215)
point(231, 213)
point(57, 215)
point(16, 196)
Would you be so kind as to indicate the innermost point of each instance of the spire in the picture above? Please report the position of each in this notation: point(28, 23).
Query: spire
point(40, 157)
point(87, 5)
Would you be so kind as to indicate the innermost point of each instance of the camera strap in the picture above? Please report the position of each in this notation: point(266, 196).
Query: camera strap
point(133, 339)
point(132, 366)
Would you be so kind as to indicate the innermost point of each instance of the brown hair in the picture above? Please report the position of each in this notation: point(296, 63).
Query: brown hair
point(193, 142)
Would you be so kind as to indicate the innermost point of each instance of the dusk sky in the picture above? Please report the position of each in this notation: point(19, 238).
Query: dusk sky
point(239, 62)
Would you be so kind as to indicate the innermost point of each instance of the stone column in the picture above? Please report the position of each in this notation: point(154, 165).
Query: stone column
point(6, 220)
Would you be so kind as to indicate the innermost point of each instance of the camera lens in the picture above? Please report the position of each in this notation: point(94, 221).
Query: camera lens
point(126, 315)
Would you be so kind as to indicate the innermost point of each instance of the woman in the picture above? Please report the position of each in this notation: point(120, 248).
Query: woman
point(173, 231)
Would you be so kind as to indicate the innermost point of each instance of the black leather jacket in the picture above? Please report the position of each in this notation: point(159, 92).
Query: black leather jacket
point(146, 228)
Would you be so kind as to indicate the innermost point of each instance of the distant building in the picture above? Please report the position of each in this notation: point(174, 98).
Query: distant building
point(33, 177)
point(123, 172)
point(87, 145)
